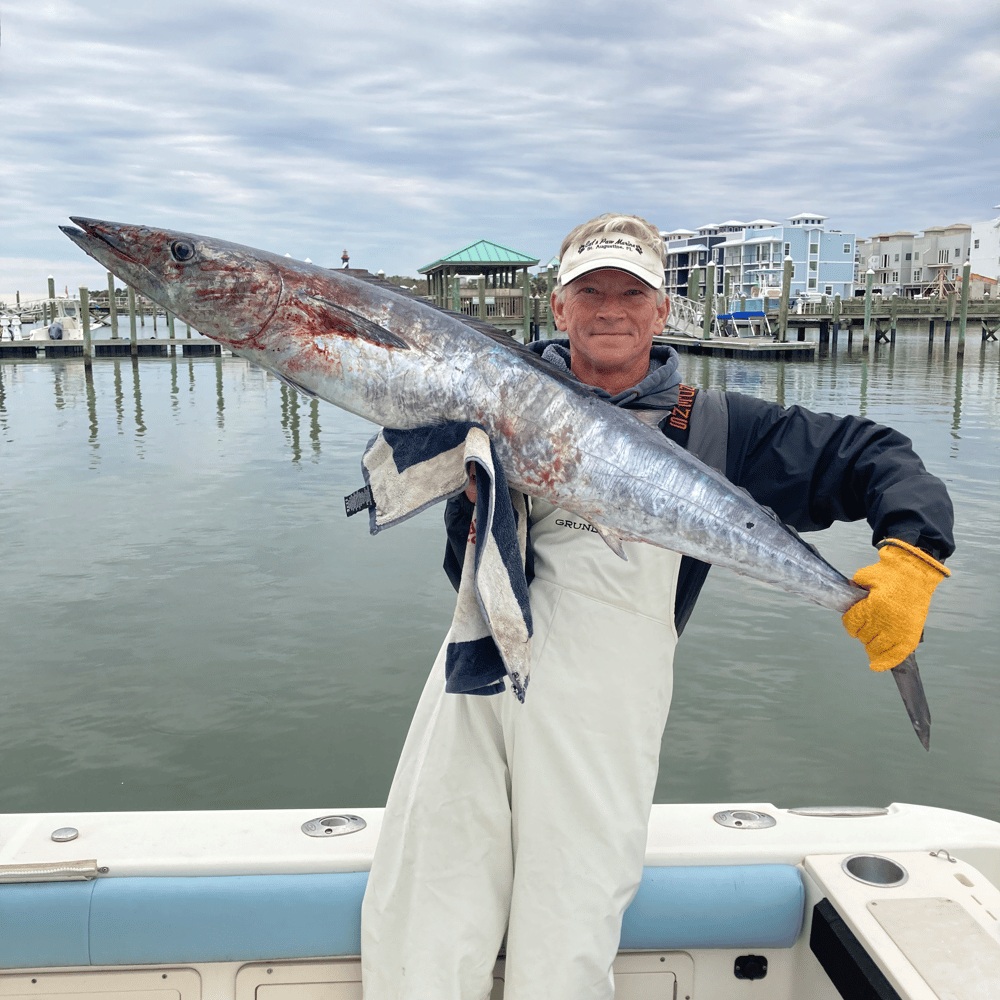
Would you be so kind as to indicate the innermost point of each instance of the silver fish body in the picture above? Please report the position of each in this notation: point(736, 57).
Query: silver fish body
point(402, 363)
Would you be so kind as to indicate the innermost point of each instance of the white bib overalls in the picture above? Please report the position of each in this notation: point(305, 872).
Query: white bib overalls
point(530, 818)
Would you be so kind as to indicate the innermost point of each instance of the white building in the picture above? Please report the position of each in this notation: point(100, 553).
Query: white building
point(985, 253)
point(908, 264)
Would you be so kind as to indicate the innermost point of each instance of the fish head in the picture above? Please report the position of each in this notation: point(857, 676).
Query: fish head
point(223, 290)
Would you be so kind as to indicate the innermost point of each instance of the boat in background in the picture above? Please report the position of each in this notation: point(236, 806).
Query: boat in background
point(66, 324)
point(752, 323)
point(736, 900)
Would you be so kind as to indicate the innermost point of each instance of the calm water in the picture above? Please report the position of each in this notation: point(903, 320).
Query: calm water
point(191, 622)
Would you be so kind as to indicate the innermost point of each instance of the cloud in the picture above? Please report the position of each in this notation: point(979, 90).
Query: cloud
point(406, 133)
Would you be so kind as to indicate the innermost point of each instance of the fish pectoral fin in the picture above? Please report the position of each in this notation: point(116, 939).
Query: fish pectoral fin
point(651, 418)
point(346, 323)
point(292, 384)
point(613, 539)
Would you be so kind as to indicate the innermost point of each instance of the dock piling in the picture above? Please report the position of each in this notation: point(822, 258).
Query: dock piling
point(869, 280)
point(526, 304)
point(112, 306)
point(709, 310)
point(963, 315)
point(550, 285)
point(134, 349)
point(88, 347)
point(786, 291)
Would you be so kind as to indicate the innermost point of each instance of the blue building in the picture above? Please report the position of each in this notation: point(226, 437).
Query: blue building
point(823, 259)
point(753, 254)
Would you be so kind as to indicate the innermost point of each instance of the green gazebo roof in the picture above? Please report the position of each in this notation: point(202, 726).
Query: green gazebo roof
point(483, 252)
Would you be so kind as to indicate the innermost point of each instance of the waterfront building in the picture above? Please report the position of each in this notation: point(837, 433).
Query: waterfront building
point(910, 264)
point(752, 254)
point(985, 253)
point(687, 249)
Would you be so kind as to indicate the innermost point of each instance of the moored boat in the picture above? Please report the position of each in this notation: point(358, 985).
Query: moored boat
point(65, 324)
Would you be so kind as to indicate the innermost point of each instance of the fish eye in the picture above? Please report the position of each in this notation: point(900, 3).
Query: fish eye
point(181, 250)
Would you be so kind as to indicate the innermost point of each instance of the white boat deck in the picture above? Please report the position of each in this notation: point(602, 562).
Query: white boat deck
point(932, 935)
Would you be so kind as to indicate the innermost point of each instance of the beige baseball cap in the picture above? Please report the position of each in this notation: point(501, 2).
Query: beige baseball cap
point(616, 250)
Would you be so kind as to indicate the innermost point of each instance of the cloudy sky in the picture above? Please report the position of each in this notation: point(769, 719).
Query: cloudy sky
point(403, 130)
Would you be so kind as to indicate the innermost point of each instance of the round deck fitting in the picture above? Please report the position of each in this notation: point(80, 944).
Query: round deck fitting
point(333, 826)
point(744, 819)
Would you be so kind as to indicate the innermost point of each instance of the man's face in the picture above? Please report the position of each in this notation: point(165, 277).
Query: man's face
point(610, 318)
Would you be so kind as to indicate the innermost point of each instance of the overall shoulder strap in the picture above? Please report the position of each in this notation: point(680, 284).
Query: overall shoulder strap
point(708, 435)
point(700, 423)
point(677, 426)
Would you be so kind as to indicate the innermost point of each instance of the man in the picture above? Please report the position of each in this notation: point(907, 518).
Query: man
point(531, 818)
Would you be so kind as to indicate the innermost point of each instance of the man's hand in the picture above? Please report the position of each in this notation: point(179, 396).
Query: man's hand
point(890, 620)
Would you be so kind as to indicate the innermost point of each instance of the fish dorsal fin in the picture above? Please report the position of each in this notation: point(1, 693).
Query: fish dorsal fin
point(487, 329)
point(351, 324)
point(526, 355)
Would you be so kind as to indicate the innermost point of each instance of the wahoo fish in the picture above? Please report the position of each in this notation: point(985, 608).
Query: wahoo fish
point(403, 363)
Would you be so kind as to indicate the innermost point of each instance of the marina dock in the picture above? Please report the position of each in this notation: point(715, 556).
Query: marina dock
point(759, 348)
point(110, 348)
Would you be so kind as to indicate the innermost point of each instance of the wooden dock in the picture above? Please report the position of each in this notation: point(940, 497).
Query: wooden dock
point(121, 347)
point(760, 348)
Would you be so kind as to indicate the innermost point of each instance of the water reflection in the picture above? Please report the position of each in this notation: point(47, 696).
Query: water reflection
point(189, 656)
point(140, 426)
point(88, 375)
point(3, 403)
point(956, 421)
point(107, 400)
point(220, 398)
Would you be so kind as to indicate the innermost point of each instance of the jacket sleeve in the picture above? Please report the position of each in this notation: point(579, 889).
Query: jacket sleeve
point(816, 468)
point(458, 513)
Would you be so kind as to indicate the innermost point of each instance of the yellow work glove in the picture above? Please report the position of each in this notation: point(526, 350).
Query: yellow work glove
point(890, 620)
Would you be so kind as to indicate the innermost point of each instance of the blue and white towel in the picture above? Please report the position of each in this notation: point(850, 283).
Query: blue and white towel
point(408, 471)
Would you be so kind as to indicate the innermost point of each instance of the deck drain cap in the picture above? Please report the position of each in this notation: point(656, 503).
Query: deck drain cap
point(744, 819)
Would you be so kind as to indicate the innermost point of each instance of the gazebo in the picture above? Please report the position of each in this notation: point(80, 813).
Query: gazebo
point(500, 294)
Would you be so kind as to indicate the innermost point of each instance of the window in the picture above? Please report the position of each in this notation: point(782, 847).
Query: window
point(975, 245)
point(885, 260)
point(812, 282)
point(897, 258)
point(895, 275)
point(788, 249)
point(958, 252)
point(916, 274)
point(812, 265)
point(847, 248)
point(942, 256)
point(908, 256)
point(814, 248)
point(828, 290)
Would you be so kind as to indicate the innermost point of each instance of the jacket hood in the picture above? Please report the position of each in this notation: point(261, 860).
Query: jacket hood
point(657, 391)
